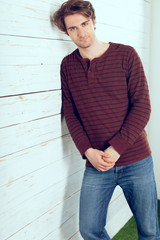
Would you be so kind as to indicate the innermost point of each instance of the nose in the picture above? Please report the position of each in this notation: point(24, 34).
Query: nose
point(81, 32)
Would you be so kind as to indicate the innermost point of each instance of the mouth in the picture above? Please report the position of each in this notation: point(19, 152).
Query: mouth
point(83, 39)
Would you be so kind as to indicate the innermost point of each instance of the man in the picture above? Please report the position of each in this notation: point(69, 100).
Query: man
point(106, 107)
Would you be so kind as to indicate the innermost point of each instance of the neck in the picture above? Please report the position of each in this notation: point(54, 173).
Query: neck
point(95, 50)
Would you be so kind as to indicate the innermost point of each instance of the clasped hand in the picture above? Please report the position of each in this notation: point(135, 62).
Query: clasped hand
point(102, 161)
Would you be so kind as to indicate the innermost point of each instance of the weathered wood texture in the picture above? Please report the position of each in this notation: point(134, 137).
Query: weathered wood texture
point(40, 168)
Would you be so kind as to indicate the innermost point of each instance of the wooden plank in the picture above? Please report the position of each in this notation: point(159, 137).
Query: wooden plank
point(56, 190)
point(122, 35)
point(18, 79)
point(138, 7)
point(17, 18)
point(124, 16)
point(20, 190)
point(20, 164)
point(23, 50)
point(22, 136)
point(24, 108)
point(32, 62)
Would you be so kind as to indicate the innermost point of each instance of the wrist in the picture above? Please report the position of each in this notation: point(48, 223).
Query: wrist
point(88, 151)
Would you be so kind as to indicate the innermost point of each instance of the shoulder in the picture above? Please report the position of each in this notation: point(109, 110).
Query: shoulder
point(123, 49)
point(67, 60)
point(126, 52)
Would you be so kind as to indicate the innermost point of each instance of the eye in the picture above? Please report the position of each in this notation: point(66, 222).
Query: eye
point(85, 24)
point(72, 29)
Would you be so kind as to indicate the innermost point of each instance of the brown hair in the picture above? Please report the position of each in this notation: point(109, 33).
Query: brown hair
point(69, 8)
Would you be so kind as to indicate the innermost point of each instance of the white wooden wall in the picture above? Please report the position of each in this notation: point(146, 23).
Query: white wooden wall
point(40, 168)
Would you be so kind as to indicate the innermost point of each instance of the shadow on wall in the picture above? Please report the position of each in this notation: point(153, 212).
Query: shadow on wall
point(69, 213)
point(70, 208)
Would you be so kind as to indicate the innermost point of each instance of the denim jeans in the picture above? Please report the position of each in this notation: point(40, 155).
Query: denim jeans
point(138, 184)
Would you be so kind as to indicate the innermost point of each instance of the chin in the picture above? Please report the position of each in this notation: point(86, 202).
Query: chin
point(81, 45)
point(84, 46)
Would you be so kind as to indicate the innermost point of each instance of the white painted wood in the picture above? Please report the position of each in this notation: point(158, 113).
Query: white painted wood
point(22, 136)
point(29, 18)
point(27, 186)
point(15, 166)
point(23, 50)
point(47, 222)
point(59, 179)
point(24, 108)
point(122, 35)
point(121, 14)
point(26, 78)
point(30, 64)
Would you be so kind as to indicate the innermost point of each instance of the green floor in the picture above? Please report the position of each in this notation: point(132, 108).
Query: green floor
point(129, 231)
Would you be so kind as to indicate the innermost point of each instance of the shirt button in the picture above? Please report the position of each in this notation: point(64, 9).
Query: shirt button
point(89, 71)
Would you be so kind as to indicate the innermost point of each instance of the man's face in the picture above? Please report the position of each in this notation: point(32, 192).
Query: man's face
point(80, 29)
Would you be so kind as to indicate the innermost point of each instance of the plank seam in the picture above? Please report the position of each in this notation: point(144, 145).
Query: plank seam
point(29, 93)
point(40, 38)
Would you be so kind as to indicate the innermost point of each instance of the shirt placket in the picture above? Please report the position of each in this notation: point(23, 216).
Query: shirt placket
point(91, 72)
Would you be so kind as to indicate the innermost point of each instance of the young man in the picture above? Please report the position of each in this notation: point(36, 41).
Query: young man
point(106, 107)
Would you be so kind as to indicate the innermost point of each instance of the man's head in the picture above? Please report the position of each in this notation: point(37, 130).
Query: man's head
point(72, 7)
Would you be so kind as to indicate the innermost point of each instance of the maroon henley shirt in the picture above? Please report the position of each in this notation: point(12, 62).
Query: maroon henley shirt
point(106, 102)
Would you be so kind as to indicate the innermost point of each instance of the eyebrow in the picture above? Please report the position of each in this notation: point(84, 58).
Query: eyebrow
point(80, 24)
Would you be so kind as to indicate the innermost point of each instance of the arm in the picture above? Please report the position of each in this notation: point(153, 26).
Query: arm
point(139, 106)
point(72, 118)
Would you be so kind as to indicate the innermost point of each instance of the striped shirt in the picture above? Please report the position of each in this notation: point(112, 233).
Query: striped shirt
point(106, 102)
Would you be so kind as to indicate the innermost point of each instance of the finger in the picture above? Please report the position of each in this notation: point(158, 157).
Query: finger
point(108, 160)
point(105, 154)
point(110, 166)
point(105, 168)
point(104, 164)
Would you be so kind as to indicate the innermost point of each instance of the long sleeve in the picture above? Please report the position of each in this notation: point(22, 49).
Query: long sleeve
point(139, 106)
point(73, 121)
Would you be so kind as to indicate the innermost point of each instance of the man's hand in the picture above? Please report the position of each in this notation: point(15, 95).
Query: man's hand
point(98, 159)
point(111, 155)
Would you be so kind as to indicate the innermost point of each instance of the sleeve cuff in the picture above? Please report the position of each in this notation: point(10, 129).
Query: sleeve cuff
point(119, 144)
point(83, 146)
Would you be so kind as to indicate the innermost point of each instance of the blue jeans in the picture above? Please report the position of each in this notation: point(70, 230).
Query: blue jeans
point(138, 184)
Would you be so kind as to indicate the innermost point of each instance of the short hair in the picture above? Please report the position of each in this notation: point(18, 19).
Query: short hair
point(71, 7)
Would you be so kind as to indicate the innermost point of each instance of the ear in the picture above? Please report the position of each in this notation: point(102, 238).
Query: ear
point(94, 21)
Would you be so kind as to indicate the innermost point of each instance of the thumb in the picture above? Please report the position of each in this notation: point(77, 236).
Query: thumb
point(105, 154)
point(101, 153)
